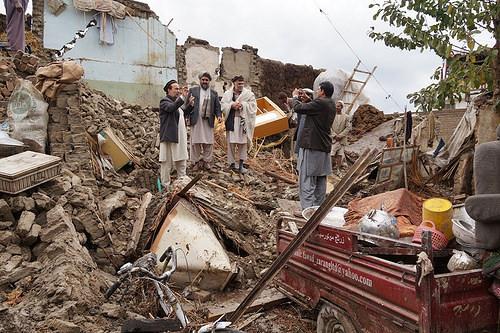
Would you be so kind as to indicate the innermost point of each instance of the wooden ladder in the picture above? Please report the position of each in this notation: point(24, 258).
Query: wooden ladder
point(349, 94)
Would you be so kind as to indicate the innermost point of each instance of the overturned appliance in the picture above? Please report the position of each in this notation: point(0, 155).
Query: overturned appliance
point(207, 261)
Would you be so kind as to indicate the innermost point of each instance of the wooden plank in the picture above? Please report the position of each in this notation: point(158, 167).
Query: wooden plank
point(268, 299)
point(286, 180)
point(151, 325)
point(139, 223)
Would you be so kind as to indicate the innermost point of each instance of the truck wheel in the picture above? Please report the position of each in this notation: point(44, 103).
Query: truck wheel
point(332, 319)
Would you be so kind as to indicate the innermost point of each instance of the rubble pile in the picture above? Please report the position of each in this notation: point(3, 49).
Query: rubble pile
point(366, 118)
point(61, 241)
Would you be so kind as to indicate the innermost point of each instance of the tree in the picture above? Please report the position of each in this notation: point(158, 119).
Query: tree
point(455, 31)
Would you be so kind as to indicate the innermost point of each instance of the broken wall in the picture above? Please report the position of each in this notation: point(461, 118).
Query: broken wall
point(266, 77)
point(448, 120)
point(134, 68)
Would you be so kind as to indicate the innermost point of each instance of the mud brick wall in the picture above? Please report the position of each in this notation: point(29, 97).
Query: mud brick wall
point(275, 77)
point(448, 121)
point(180, 63)
point(67, 135)
point(266, 77)
point(37, 24)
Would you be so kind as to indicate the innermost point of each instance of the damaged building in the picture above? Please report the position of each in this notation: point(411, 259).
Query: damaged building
point(80, 197)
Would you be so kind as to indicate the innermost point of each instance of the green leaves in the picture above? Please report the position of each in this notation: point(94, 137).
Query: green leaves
point(450, 29)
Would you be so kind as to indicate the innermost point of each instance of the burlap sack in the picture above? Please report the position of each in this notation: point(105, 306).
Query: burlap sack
point(84, 5)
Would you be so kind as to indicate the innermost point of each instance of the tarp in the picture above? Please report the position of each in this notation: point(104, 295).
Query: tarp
point(401, 203)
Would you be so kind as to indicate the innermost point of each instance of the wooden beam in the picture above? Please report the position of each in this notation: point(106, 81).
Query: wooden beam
point(286, 180)
point(140, 217)
point(268, 299)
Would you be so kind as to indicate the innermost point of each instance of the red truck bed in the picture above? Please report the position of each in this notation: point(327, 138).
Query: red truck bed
point(371, 292)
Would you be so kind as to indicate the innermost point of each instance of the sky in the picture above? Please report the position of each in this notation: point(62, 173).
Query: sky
point(294, 31)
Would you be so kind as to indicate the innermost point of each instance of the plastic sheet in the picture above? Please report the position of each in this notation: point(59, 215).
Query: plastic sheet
point(28, 116)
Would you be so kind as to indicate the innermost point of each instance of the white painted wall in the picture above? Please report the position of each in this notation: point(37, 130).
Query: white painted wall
point(134, 68)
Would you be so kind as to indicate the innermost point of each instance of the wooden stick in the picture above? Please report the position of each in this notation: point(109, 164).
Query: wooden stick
point(207, 182)
point(275, 175)
point(139, 223)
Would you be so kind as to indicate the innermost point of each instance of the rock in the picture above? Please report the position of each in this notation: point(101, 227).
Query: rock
point(39, 248)
point(20, 203)
point(63, 326)
point(5, 211)
point(32, 236)
point(57, 222)
point(41, 218)
point(4, 258)
point(115, 184)
point(76, 181)
point(6, 225)
point(8, 237)
point(42, 201)
point(112, 202)
point(111, 310)
point(25, 222)
point(14, 249)
point(57, 187)
point(26, 253)
point(130, 191)
point(90, 224)
point(27, 269)
point(13, 263)
point(78, 199)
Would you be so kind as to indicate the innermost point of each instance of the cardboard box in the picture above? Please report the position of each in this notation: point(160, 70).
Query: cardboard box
point(270, 119)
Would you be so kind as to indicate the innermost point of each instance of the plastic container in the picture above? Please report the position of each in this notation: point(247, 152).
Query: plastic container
point(440, 212)
point(439, 240)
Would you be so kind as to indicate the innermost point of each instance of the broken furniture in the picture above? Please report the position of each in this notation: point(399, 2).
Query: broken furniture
point(484, 207)
point(391, 165)
point(207, 261)
point(270, 119)
point(112, 146)
point(26, 170)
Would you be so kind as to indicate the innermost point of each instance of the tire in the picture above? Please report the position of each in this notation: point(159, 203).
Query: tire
point(151, 325)
point(332, 319)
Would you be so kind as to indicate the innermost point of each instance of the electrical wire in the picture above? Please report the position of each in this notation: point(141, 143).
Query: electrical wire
point(388, 95)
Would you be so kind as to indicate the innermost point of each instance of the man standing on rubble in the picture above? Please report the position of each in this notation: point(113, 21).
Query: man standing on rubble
point(14, 13)
point(202, 115)
point(340, 128)
point(173, 134)
point(315, 144)
point(305, 95)
point(240, 108)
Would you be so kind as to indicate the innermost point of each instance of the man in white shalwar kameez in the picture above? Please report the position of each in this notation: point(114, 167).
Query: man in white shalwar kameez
point(239, 108)
point(202, 114)
point(173, 133)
